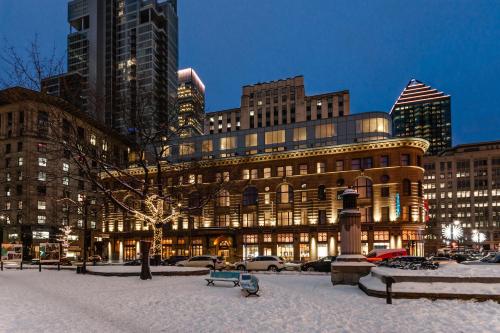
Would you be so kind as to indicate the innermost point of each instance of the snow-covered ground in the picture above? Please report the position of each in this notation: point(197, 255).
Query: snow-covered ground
point(53, 301)
point(137, 269)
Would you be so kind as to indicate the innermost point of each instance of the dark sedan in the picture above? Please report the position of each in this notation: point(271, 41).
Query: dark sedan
point(172, 260)
point(322, 265)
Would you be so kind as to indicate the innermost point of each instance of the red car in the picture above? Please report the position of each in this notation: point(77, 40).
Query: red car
point(384, 254)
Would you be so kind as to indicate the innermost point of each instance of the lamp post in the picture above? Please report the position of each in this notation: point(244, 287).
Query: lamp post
point(478, 237)
point(2, 219)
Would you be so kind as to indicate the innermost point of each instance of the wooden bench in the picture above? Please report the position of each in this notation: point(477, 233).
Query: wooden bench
point(250, 284)
point(233, 277)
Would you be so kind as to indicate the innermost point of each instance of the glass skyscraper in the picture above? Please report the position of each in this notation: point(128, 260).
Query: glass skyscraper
point(423, 112)
point(126, 52)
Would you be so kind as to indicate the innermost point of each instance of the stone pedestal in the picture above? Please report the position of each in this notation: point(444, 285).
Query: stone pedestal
point(350, 266)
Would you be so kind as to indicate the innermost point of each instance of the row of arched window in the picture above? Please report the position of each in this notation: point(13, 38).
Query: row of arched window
point(284, 193)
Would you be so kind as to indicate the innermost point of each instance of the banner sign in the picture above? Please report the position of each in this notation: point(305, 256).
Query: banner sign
point(49, 252)
point(12, 252)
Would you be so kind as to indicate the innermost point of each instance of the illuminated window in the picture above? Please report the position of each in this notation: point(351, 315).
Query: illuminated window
point(285, 218)
point(223, 198)
point(300, 134)
point(275, 137)
point(251, 140)
point(339, 165)
point(93, 140)
point(228, 143)
point(304, 237)
point(381, 235)
point(249, 220)
point(285, 238)
point(41, 219)
point(324, 131)
point(207, 146)
point(250, 239)
point(268, 238)
point(186, 149)
point(285, 194)
point(322, 237)
point(320, 167)
point(303, 169)
point(267, 172)
point(42, 205)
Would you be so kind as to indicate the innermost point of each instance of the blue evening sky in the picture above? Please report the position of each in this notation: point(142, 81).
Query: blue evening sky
point(372, 48)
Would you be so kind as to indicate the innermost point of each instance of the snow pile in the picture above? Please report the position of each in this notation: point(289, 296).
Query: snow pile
point(63, 301)
point(374, 283)
point(455, 270)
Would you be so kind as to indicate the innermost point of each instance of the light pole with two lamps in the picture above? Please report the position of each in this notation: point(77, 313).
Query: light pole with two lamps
point(453, 231)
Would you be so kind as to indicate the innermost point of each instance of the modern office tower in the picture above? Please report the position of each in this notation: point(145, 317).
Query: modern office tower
point(463, 184)
point(191, 103)
point(36, 172)
point(275, 103)
point(126, 52)
point(68, 86)
point(423, 112)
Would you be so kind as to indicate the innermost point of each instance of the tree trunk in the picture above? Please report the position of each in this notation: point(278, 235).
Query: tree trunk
point(157, 246)
point(145, 270)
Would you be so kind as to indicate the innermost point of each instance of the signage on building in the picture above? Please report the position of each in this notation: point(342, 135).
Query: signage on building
point(40, 235)
point(50, 252)
point(398, 206)
point(12, 252)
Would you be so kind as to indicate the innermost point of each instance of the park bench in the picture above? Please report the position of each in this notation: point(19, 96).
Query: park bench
point(233, 277)
point(250, 284)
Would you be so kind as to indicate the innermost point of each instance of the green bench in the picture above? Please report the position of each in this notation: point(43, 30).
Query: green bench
point(250, 284)
point(233, 277)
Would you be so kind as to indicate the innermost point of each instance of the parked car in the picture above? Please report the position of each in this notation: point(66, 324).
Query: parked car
point(322, 265)
point(490, 259)
point(442, 260)
point(135, 262)
point(65, 262)
point(95, 257)
point(203, 261)
point(172, 260)
point(383, 254)
point(292, 266)
point(261, 263)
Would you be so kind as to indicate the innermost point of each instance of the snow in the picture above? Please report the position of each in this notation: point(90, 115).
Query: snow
point(374, 283)
point(352, 263)
point(137, 269)
point(64, 301)
point(457, 270)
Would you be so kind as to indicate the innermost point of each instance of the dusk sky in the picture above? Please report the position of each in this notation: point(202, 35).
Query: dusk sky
point(372, 48)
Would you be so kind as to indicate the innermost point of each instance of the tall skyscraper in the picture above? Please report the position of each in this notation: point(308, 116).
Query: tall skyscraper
point(191, 102)
point(423, 112)
point(126, 52)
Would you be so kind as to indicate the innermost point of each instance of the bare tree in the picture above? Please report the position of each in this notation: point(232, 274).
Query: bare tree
point(29, 66)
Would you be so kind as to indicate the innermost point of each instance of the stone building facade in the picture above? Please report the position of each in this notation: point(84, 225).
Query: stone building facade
point(286, 203)
point(463, 183)
point(39, 182)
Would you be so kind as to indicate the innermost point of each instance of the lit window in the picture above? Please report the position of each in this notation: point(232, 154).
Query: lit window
point(92, 139)
point(267, 172)
point(186, 149)
point(324, 131)
point(246, 174)
point(285, 194)
point(207, 146)
point(41, 219)
point(228, 143)
point(320, 167)
point(275, 137)
point(20, 161)
point(65, 167)
point(251, 140)
point(300, 134)
point(65, 181)
point(42, 205)
point(42, 161)
point(42, 176)
point(104, 145)
point(289, 170)
point(322, 237)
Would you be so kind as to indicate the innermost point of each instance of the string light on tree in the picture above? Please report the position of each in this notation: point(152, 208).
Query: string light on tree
point(478, 237)
point(453, 231)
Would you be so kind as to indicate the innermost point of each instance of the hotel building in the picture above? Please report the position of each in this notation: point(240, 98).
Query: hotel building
point(284, 181)
point(191, 103)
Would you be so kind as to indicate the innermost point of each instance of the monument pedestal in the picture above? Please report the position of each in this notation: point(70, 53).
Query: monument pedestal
point(349, 268)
